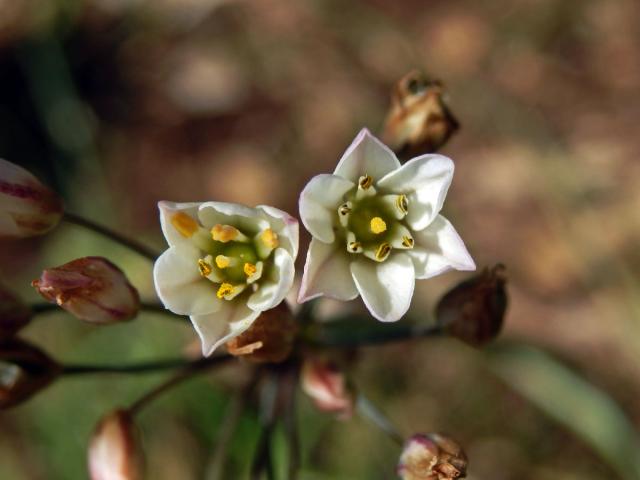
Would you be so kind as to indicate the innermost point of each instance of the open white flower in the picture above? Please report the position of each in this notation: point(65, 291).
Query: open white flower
point(225, 264)
point(376, 227)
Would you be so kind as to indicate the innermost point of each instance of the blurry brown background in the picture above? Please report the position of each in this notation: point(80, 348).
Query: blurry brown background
point(121, 103)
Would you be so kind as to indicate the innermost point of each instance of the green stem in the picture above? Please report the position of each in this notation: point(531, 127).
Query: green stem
point(43, 308)
point(370, 412)
point(115, 236)
point(140, 368)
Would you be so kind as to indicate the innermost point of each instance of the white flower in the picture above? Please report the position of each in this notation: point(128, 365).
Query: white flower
point(376, 228)
point(225, 264)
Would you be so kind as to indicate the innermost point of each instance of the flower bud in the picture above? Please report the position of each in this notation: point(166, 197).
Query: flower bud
point(432, 457)
point(114, 449)
point(419, 120)
point(24, 370)
point(327, 386)
point(27, 207)
point(269, 339)
point(13, 314)
point(473, 311)
point(92, 289)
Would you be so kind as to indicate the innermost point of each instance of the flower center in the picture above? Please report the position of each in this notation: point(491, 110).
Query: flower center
point(373, 222)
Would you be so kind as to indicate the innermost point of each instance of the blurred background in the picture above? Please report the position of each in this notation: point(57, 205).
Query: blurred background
point(120, 103)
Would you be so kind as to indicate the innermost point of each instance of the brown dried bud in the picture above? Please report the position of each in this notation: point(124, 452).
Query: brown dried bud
point(327, 386)
point(24, 371)
point(13, 314)
point(419, 120)
point(114, 449)
point(269, 339)
point(92, 289)
point(432, 457)
point(27, 207)
point(473, 311)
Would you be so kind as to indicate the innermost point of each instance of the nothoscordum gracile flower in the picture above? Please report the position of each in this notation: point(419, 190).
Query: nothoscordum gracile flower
point(27, 207)
point(225, 264)
point(376, 228)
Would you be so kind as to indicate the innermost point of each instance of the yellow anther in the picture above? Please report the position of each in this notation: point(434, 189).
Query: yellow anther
point(407, 241)
point(225, 289)
point(378, 225)
point(354, 246)
point(222, 261)
point(402, 203)
point(184, 224)
point(344, 209)
point(383, 251)
point(224, 233)
point(204, 268)
point(269, 238)
point(365, 182)
point(250, 269)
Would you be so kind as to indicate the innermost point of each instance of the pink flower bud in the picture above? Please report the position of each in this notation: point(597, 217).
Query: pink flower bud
point(432, 457)
point(327, 386)
point(13, 314)
point(27, 207)
point(91, 288)
point(114, 449)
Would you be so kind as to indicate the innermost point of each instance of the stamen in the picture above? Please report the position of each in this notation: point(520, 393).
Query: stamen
point(225, 289)
point(354, 247)
point(184, 224)
point(403, 204)
point(343, 213)
point(249, 269)
point(378, 225)
point(383, 251)
point(270, 238)
point(344, 209)
point(204, 268)
point(223, 262)
point(224, 233)
point(407, 241)
point(365, 182)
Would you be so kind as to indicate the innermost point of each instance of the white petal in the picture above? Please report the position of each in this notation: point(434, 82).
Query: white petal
point(217, 328)
point(366, 156)
point(438, 248)
point(179, 284)
point(386, 287)
point(319, 202)
point(276, 286)
point(248, 220)
point(285, 226)
point(425, 180)
point(327, 272)
point(167, 209)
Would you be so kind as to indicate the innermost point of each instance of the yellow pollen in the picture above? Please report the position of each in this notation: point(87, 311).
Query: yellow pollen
point(365, 182)
point(204, 268)
point(383, 251)
point(407, 241)
point(270, 238)
point(225, 289)
point(378, 225)
point(224, 233)
point(402, 203)
point(222, 261)
point(249, 269)
point(184, 224)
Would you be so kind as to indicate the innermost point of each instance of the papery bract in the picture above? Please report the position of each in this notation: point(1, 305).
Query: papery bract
point(376, 228)
point(92, 289)
point(226, 263)
point(432, 457)
point(114, 449)
point(327, 386)
point(27, 207)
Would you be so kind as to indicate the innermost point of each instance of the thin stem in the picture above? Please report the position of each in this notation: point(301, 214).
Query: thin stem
point(289, 387)
point(140, 368)
point(43, 308)
point(262, 458)
point(370, 412)
point(115, 236)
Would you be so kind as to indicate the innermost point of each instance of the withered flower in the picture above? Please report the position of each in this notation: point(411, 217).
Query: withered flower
point(326, 384)
point(419, 120)
point(269, 339)
point(114, 449)
point(27, 207)
point(432, 457)
point(24, 371)
point(92, 289)
point(14, 314)
point(474, 310)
